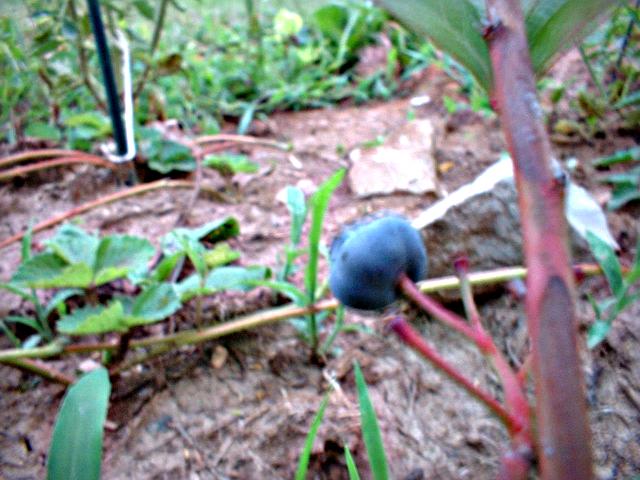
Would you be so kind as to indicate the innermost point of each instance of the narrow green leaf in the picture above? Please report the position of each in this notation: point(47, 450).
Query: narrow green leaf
point(556, 25)
point(94, 320)
point(298, 209)
point(597, 332)
point(319, 202)
point(164, 269)
point(60, 296)
point(24, 320)
point(25, 245)
point(215, 231)
point(303, 464)
point(286, 288)
point(246, 118)
point(455, 27)
point(608, 261)
point(76, 444)
point(351, 464)
point(370, 430)
point(621, 156)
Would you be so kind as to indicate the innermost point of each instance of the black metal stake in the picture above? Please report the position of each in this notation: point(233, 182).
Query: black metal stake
point(109, 79)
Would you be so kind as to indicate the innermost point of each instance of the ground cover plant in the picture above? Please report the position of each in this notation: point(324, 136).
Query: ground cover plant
point(115, 297)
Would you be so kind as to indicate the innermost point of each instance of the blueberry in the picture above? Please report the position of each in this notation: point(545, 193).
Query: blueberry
point(368, 256)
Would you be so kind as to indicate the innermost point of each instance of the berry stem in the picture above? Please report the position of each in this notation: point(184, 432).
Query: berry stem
point(412, 338)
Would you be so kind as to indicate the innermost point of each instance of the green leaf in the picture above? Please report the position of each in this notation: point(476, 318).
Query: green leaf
point(608, 261)
point(556, 25)
point(74, 245)
point(153, 304)
point(287, 23)
point(119, 255)
point(597, 332)
point(303, 463)
point(370, 429)
point(25, 244)
point(231, 164)
point(24, 320)
point(59, 297)
point(145, 8)
point(453, 26)
point(235, 278)
point(351, 464)
point(166, 266)
point(246, 118)
point(291, 291)
point(97, 122)
point(621, 156)
point(223, 278)
point(215, 231)
point(76, 443)
point(164, 156)
point(48, 270)
point(93, 320)
point(319, 202)
point(221, 254)
point(298, 210)
point(43, 131)
point(195, 252)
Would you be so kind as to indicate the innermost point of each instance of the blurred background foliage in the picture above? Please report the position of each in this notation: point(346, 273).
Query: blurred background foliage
point(204, 62)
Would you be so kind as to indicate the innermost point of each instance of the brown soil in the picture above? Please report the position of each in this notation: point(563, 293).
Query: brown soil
point(181, 417)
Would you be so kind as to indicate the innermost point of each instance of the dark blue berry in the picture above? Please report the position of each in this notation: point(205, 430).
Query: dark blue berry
point(368, 256)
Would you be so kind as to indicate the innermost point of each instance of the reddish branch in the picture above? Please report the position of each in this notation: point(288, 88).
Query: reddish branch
point(564, 446)
point(56, 162)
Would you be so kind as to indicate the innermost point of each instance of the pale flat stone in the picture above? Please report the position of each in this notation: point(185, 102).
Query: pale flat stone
point(405, 163)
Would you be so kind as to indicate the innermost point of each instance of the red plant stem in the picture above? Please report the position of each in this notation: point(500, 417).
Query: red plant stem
point(57, 162)
point(35, 154)
point(406, 285)
point(564, 436)
point(137, 190)
point(515, 397)
point(412, 338)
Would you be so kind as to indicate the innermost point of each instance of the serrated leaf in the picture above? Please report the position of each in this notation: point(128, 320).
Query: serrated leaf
point(370, 430)
point(453, 26)
point(48, 270)
point(119, 255)
point(74, 245)
point(164, 156)
point(608, 261)
point(94, 320)
point(76, 443)
point(153, 304)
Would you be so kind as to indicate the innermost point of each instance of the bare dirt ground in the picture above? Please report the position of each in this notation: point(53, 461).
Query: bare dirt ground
point(181, 417)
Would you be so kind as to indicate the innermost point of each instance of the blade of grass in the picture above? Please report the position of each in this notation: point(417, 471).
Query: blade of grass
point(351, 464)
point(370, 429)
point(319, 202)
point(303, 464)
point(76, 445)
